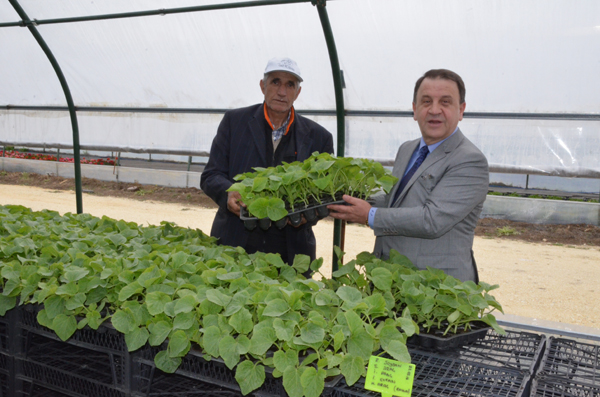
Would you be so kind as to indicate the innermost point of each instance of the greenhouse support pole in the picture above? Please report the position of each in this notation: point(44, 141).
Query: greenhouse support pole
point(339, 107)
point(63, 82)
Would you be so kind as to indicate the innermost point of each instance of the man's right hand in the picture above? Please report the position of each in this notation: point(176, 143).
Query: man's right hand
point(234, 201)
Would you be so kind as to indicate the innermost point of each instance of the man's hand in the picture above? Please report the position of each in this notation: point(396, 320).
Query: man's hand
point(356, 211)
point(234, 201)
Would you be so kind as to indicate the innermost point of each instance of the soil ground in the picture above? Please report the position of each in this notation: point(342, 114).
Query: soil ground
point(545, 272)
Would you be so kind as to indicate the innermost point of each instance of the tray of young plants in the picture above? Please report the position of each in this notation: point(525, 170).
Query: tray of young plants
point(290, 192)
point(174, 287)
point(441, 338)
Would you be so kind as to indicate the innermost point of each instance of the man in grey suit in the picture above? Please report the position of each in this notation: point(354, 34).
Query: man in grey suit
point(431, 214)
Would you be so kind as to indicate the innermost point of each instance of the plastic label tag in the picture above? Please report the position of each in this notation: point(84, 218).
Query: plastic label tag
point(389, 377)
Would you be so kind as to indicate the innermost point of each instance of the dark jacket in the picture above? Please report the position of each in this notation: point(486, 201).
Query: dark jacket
point(240, 145)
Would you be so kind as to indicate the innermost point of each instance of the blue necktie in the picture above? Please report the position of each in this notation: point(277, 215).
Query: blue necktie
point(423, 152)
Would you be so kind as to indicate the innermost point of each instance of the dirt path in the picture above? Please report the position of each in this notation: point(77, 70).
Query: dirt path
point(537, 281)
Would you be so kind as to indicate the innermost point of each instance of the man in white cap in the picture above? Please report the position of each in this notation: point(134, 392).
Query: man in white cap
point(263, 135)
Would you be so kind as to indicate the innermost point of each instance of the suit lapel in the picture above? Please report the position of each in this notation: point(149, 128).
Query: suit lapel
point(257, 131)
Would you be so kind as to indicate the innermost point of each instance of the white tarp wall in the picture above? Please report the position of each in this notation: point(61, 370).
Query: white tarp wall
point(540, 56)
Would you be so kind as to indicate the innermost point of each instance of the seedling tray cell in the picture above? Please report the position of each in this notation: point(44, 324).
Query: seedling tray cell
point(572, 362)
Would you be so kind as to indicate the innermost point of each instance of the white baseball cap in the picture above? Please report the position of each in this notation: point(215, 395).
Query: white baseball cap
point(283, 65)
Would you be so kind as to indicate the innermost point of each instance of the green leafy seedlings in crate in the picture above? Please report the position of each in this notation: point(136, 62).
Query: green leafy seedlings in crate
point(174, 287)
point(272, 192)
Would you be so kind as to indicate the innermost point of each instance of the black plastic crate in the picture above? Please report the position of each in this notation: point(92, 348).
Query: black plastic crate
point(194, 366)
point(8, 330)
point(105, 344)
point(105, 338)
point(215, 372)
point(569, 368)
point(520, 351)
point(557, 387)
point(71, 369)
point(162, 384)
point(572, 360)
point(4, 378)
point(436, 375)
point(4, 333)
point(34, 390)
point(51, 378)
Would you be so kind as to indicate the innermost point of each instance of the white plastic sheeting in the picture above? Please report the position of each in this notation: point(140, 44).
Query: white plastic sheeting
point(539, 56)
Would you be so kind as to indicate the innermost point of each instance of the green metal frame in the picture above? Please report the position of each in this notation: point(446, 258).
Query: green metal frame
point(63, 83)
point(335, 68)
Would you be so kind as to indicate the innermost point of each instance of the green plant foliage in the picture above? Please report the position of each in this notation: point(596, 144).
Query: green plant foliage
point(272, 192)
point(506, 231)
point(175, 288)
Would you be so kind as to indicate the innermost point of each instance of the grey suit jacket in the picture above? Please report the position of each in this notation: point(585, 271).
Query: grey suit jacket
point(433, 220)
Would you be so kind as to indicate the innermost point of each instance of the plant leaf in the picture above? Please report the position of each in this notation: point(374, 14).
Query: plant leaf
point(179, 344)
point(242, 321)
point(165, 363)
point(313, 381)
point(64, 326)
point(249, 376)
point(136, 339)
point(292, 382)
point(352, 367)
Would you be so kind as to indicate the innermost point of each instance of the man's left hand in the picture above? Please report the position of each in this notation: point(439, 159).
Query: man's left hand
point(356, 211)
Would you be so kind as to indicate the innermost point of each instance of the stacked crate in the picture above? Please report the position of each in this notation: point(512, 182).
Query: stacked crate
point(495, 366)
point(569, 369)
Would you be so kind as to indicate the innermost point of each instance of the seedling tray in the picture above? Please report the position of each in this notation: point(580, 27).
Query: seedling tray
point(312, 213)
point(435, 340)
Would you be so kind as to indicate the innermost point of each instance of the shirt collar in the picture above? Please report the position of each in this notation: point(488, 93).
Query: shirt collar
point(435, 145)
point(289, 121)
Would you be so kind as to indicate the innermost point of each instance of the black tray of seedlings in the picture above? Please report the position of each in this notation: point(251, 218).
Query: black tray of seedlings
point(569, 368)
point(436, 340)
point(313, 212)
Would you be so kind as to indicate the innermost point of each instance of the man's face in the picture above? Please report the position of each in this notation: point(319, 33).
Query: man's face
point(437, 109)
point(281, 90)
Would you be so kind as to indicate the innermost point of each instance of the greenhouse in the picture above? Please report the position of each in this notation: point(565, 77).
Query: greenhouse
point(95, 306)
